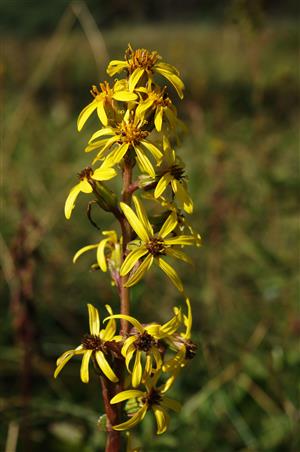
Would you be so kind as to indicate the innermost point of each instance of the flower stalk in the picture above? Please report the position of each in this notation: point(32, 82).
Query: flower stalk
point(138, 364)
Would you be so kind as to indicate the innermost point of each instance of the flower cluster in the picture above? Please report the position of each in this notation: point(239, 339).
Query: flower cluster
point(137, 128)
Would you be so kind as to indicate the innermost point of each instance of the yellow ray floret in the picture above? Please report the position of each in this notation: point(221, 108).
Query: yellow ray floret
point(153, 247)
point(93, 345)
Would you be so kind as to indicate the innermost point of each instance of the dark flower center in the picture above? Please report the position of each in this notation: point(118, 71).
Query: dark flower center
point(93, 342)
point(190, 350)
point(156, 246)
point(145, 341)
point(152, 398)
point(86, 173)
point(177, 172)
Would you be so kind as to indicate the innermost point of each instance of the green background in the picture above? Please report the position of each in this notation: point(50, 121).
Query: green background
point(239, 63)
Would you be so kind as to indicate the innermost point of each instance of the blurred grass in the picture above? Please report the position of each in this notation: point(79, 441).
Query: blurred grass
point(241, 392)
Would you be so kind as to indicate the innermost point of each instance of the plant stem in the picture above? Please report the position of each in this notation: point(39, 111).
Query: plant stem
point(113, 438)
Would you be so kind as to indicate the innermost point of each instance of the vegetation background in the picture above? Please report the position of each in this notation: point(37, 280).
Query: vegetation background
point(239, 63)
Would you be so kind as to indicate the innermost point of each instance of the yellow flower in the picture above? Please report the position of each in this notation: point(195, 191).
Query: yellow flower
point(96, 344)
point(171, 172)
point(108, 249)
point(129, 134)
point(142, 62)
point(145, 340)
point(159, 102)
point(153, 398)
point(87, 176)
point(186, 348)
point(153, 246)
point(103, 102)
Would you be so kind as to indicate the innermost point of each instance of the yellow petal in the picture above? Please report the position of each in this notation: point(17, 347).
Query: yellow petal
point(84, 369)
point(135, 223)
point(135, 77)
point(157, 154)
point(129, 356)
point(94, 319)
point(85, 114)
point(162, 419)
point(70, 201)
point(132, 259)
point(162, 184)
point(157, 358)
point(117, 154)
point(173, 79)
point(125, 395)
point(107, 131)
point(181, 240)
point(189, 319)
point(101, 259)
point(168, 226)
point(128, 342)
point(142, 214)
point(83, 250)
point(158, 117)
point(143, 107)
point(105, 367)
point(124, 96)
point(171, 273)
point(109, 331)
point(102, 113)
point(116, 66)
point(104, 173)
point(130, 319)
point(171, 326)
point(62, 361)
point(137, 370)
point(134, 420)
point(139, 273)
point(144, 163)
point(184, 199)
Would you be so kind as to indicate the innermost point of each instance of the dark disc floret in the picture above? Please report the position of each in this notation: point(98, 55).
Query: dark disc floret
point(145, 342)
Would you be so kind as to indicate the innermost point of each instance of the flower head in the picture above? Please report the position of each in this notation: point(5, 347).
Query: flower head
point(153, 247)
point(96, 344)
point(86, 184)
point(154, 399)
point(142, 62)
point(143, 340)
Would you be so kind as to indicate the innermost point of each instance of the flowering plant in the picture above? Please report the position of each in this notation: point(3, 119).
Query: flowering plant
point(137, 126)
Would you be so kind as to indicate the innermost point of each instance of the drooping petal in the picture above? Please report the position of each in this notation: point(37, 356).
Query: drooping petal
point(125, 395)
point(171, 326)
point(101, 259)
point(162, 419)
point(171, 273)
point(109, 331)
point(143, 107)
point(134, 420)
point(135, 223)
point(158, 118)
point(84, 369)
point(157, 358)
point(62, 361)
point(102, 113)
point(83, 250)
point(157, 154)
point(144, 163)
point(173, 79)
point(85, 114)
point(135, 77)
point(169, 225)
point(142, 214)
point(128, 342)
point(132, 259)
point(105, 367)
point(70, 201)
point(116, 66)
point(188, 320)
point(183, 197)
point(137, 370)
point(129, 355)
point(117, 154)
point(139, 273)
point(162, 184)
point(94, 319)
